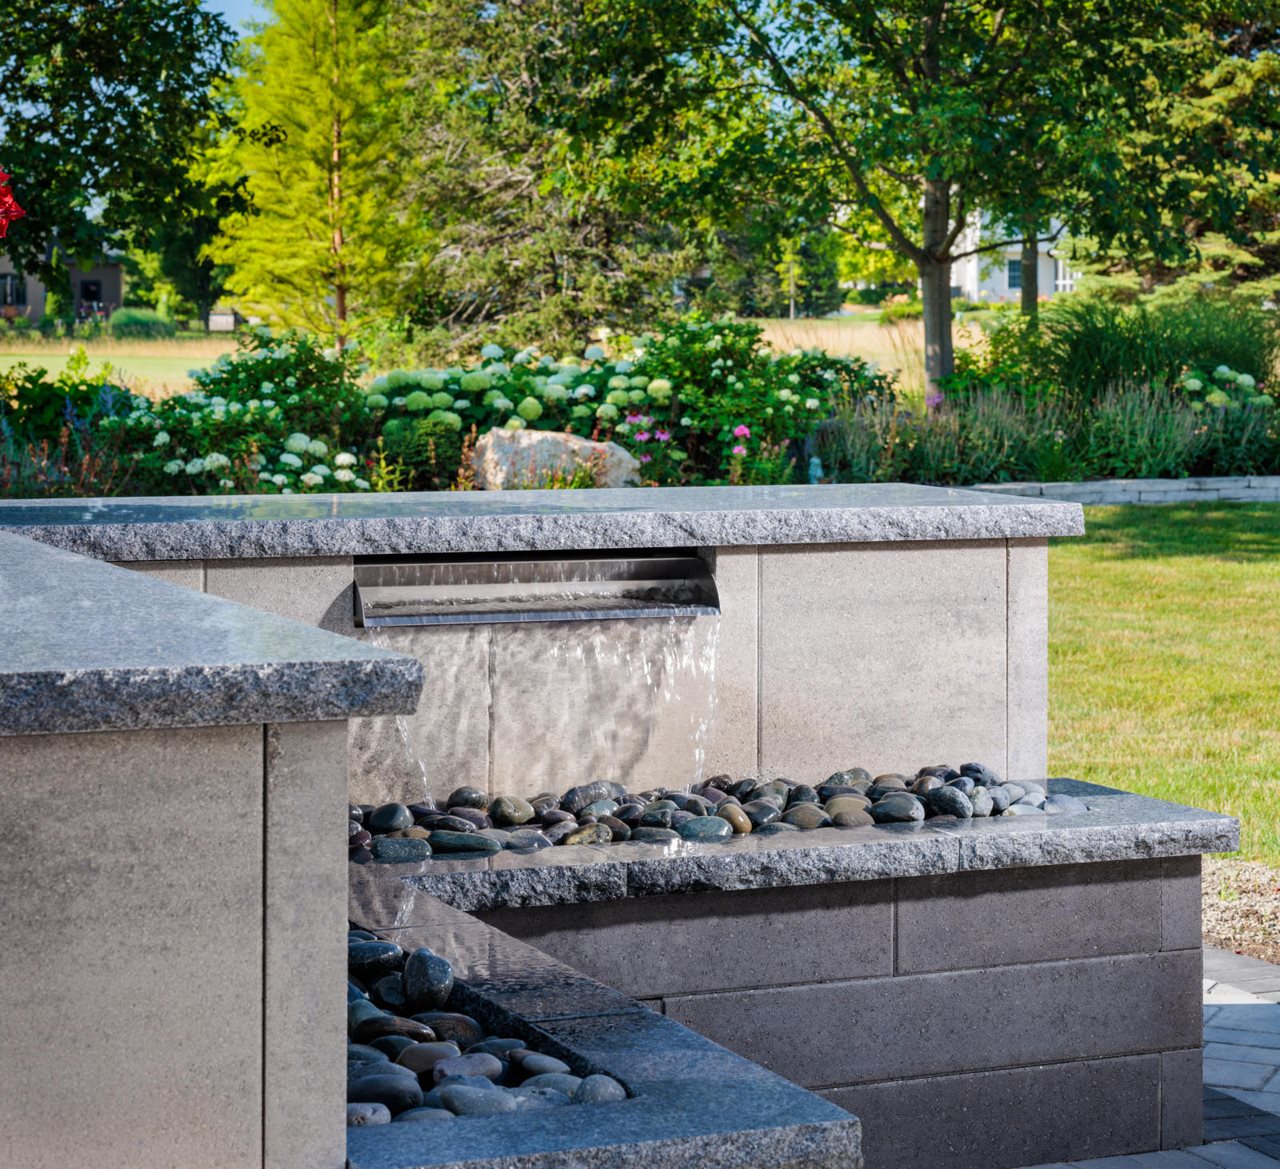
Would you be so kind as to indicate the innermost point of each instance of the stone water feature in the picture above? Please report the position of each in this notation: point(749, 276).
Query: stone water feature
point(1049, 955)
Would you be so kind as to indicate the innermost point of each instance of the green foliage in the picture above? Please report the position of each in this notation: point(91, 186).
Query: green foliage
point(101, 102)
point(34, 410)
point(140, 323)
point(429, 450)
point(316, 138)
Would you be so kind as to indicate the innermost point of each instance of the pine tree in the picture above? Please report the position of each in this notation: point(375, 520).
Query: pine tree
point(317, 112)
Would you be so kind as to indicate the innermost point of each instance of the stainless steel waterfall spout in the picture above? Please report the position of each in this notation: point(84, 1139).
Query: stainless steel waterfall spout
point(499, 590)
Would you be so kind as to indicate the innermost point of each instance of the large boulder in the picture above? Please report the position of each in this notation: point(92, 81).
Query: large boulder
point(530, 458)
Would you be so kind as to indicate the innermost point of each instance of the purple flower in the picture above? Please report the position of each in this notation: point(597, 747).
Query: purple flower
point(646, 458)
point(933, 400)
point(739, 450)
point(632, 419)
point(642, 436)
point(742, 432)
point(662, 435)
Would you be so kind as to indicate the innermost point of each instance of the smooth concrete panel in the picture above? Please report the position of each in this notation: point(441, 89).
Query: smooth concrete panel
point(306, 878)
point(650, 947)
point(131, 976)
point(999, 1120)
point(976, 1020)
point(1180, 904)
point(188, 573)
point(1012, 916)
point(734, 739)
point(624, 700)
point(315, 590)
point(1028, 637)
point(444, 744)
point(883, 656)
point(1181, 1098)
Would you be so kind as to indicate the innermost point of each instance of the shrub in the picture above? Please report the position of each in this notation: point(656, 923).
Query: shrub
point(907, 310)
point(36, 409)
point(429, 450)
point(140, 323)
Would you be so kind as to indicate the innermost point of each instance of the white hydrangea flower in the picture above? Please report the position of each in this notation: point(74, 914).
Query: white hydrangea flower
point(321, 470)
point(461, 403)
point(279, 480)
point(286, 491)
point(1194, 385)
point(624, 366)
point(226, 483)
point(503, 404)
point(289, 459)
point(686, 421)
point(317, 449)
point(344, 459)
point(216, 461)
point(362, 484)
point(1246, 381)
point(257, 460)
point(311, 480)
point(297, 443)
point(342, 475)
point(268, 404)
point(173, 466)
point(195, 467)
point(492, 352)
point(594, 353)
point(811, 403)
point(161, 439)
point(264, 476)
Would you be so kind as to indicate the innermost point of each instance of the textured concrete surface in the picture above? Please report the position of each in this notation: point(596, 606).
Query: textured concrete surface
point(86, 646)
point(1027, 673)
point(131, 1007)
point(237, 527)
point(855, 642)
point(1202, 489)
point(315, 590)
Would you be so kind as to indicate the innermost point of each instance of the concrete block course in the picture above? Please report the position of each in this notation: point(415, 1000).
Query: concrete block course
point(1180, 903)
point(1181, 1099)
point(845, 1033)
point(1027, 659)
point(1004, 1119)
point(735, 733)
point(315, 590)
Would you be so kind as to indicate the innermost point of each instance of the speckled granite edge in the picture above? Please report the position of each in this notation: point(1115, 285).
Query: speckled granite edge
point(649, 518)
point(683, 1113)
point(143, 698)
point(1120, 826)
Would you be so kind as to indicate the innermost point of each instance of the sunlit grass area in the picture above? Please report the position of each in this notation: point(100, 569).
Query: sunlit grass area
point(1164, 654)
point(154, 368)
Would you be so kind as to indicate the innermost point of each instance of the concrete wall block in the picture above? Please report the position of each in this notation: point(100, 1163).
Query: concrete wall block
point(1181, 1098)
point(1180, 903)
point(1028, 660)
point(734, 737)
point(651, 947)
point(131, 984)
point(188, 573)
point(315, 590)
point(1056, 912)
point(976, 1020)
point(306, 878)
point(881, 656)
point(1004, 1119)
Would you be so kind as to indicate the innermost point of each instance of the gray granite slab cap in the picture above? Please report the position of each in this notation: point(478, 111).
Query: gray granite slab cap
point(229, 527)
point(85, 646)
point(1119, 826)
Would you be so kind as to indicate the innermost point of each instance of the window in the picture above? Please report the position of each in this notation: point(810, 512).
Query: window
point(91, 291)
point(13, 290)
point(1064, 280)
point(1013, 270)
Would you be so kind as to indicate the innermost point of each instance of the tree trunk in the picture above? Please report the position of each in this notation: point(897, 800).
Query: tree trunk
point(1030, 301)
point(935, 287)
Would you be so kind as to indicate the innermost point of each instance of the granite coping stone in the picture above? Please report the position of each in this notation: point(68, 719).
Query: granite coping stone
point(85, 646)
point(240, 526)
point(693, 1104)
point(1118, 826)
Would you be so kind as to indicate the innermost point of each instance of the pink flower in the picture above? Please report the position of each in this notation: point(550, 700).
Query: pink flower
point(642, 436)
point(663, 435)
point(632, 419)
point(742, 432)
point(933, 400)
point(739, 450)
point(646, 458)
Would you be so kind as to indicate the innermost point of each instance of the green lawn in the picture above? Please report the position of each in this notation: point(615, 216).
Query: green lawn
point(1164, 659)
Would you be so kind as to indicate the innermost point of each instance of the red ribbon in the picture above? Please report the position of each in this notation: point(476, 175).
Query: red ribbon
point(9, 209)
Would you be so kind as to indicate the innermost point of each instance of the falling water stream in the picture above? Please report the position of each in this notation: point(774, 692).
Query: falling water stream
point(530, 707)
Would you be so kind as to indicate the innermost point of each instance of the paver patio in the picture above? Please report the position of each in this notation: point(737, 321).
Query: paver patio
point(1241, 1073)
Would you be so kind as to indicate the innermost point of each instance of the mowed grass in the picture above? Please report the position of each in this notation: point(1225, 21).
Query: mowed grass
point(1164, 659)
point(154, 368)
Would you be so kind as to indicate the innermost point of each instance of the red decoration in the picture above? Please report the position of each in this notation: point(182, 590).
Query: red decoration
point(9, 209)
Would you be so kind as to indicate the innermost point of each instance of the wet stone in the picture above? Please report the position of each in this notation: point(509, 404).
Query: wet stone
point(980, 774)
point(414, 833)
point(365, 959)
point(446, 841)
point(803, 794)
point(577, 798)
point(557, 832)
point(510, 811)
point(442, 822)
point(806, 816)
point(527, 840)
point(464, 1100)
point(599, 1090)
point(1062, 804)
point(540, 1098)
point(476, 1063)
point(761, 812)
point(897, 809)
point(949, 801)
point(620, 830)
point(591, 834)
point(388, 818)
point(388, 992)
point(1023, 810)
point(600, 808)
point(847, 803)
point(369, 1029)
point(655, 836)
point(467, 797)
point(428, 981)
point(859, 819)
point(706, 828)
point(473, 816)
point(498, 1046)
point(452, 1027)
point(398, 1093)
point(422, 1058)
point(737, 818)
point(776, 827)
point(414, 1115)
point(559, 1081)
point(388, 850)
point(981, 802)
point(534, 1063)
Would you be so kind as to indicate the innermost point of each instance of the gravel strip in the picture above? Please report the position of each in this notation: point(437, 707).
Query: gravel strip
point(1241, 903)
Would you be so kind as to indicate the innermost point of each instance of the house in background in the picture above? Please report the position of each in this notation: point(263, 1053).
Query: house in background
point(97, 291)
point(997, 276)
